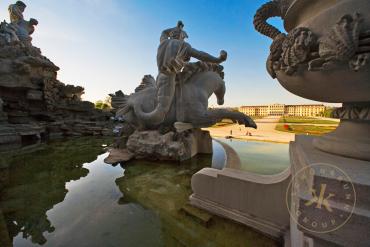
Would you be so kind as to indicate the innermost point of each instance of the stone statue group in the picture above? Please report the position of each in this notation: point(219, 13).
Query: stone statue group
point(175, 101)
point(181, 90)
point(18, 29)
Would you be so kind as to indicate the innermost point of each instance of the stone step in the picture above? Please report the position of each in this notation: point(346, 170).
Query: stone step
point(199, 215)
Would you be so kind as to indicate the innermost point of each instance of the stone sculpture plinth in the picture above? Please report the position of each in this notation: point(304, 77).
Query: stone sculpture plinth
point(171, 146)
point(346, 222)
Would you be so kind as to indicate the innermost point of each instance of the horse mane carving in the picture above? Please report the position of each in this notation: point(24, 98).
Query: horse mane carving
point(192, 69)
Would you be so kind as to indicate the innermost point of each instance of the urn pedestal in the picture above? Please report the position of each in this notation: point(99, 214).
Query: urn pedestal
point(350, 139)
point(325, 56)
point(346, 220)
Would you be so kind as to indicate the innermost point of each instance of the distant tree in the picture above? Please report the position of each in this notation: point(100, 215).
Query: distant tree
point(102, 105)
point(328, 111)
point(108, 101)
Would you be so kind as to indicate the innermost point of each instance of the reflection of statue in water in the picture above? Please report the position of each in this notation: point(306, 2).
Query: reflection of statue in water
point(23, 28)
point(34, 185)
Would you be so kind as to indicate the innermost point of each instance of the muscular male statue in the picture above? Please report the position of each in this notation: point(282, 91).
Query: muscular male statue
point(23, 28)
point(16, 12)
point(173, 53)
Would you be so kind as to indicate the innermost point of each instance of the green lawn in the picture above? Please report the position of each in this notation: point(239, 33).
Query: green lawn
point(307, 120)
point(306, 129)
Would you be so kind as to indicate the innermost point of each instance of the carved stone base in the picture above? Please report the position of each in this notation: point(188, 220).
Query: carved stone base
point(348, 222)
point(352, 137)
point(243, 196)
point(152, 145)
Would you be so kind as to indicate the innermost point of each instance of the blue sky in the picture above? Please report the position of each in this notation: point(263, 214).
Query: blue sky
point(108, 45)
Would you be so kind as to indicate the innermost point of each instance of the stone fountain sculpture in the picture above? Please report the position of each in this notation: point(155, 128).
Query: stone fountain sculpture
point(170, 110)
point(33, 102)
point(325, 56)
point(22, 28)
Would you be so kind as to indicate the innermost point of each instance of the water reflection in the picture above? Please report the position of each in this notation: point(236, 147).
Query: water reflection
point(34, 183)
point(219, 156)
point(66, 196)
point(260, 157)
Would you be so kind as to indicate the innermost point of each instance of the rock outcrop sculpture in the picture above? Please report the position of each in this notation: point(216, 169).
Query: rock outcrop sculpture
point(34, 104)
point(177, 100)
point(22, 28)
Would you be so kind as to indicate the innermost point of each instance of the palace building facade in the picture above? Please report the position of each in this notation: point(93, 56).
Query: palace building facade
point(284, 110)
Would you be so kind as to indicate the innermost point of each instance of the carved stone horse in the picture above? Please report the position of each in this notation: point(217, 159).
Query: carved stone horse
point(194, 87)
point(24, 29)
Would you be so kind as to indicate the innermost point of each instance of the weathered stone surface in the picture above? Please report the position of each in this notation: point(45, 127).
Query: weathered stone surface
point(33, 103)
point(201, 216)
point(153, 145)
point(118, 155)
point(243, 196)
point(3, 115)
point(9, 139)
point(35, 95)
point(346, 202)
point(170, 146)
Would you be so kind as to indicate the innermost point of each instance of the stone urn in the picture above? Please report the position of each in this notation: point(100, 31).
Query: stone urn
point(325, 56)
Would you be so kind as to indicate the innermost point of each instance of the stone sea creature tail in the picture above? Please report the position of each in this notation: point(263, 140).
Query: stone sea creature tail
point(120, 101)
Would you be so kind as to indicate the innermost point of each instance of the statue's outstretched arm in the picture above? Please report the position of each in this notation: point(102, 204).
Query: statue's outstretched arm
point(205, 57)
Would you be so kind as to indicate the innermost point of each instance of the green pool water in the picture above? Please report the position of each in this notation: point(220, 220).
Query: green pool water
point(65, 195)
point(260, 157)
